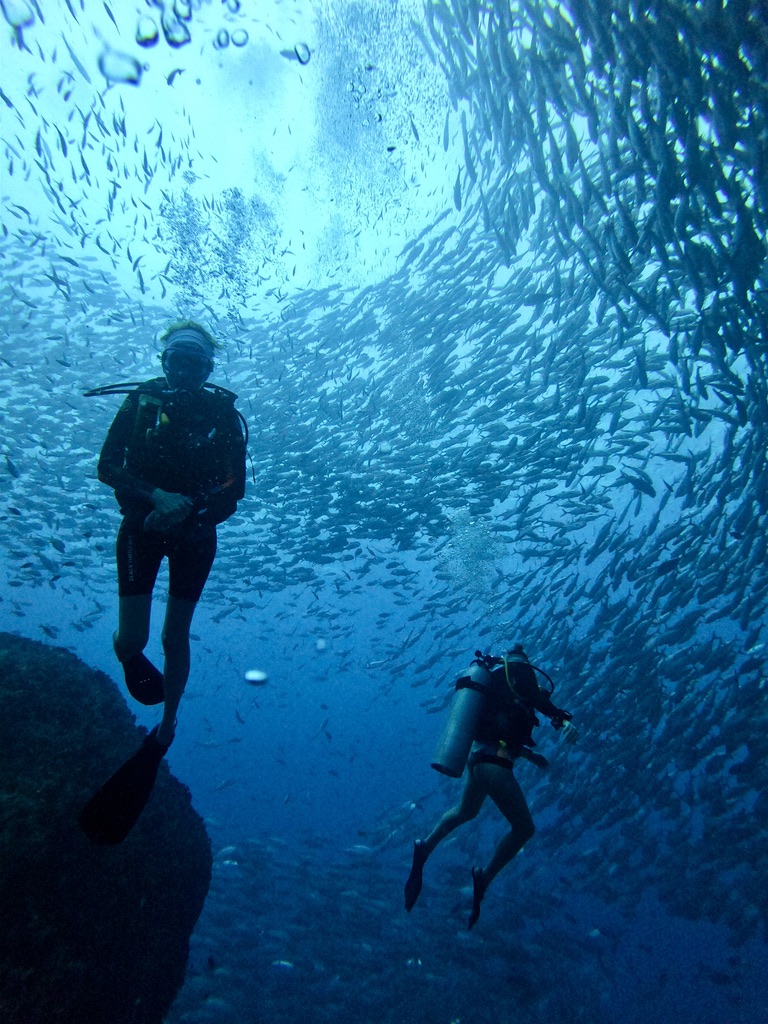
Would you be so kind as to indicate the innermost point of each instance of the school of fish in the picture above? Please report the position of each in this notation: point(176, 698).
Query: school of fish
point(550, 422)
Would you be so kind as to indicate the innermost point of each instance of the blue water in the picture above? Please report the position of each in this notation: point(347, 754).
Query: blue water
point(491, 282)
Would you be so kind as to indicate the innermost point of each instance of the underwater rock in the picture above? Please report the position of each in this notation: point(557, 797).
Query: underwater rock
point(90, 933)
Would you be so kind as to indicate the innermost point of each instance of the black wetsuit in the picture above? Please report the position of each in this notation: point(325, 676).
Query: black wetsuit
point(509, 715)
point(182, 443)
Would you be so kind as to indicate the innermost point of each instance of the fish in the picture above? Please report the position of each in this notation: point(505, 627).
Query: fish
point(111, 16)
point(76, 61)
point(545, 419)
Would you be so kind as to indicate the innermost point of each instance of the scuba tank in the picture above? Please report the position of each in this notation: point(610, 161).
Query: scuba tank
point(467, 706)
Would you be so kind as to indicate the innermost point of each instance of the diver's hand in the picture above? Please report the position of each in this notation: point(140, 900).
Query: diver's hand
point(560, 718)
point(569, 732)
point(170, 509)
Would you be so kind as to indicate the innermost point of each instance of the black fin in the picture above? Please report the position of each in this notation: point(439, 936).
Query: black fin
point(144, 681)
point(479, 885)
point(413, 885)
point(114, 809)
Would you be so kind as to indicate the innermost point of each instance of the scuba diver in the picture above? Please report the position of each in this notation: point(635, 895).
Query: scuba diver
point(175, 457)
point(491, 722)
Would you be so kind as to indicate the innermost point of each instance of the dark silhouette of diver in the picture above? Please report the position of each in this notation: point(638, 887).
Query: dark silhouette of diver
point(499, 728)
point(175, 456)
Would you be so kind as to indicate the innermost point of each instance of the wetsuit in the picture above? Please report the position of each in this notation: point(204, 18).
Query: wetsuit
point(506, 726)
point(183, 443)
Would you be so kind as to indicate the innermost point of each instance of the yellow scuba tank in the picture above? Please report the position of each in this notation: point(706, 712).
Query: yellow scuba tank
point(466, 709)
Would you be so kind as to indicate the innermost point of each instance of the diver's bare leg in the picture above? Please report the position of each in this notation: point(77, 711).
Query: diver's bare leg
point(466, 809)
point(472, 798)
point(178, 619)
point(133, 626)
point(504, 789)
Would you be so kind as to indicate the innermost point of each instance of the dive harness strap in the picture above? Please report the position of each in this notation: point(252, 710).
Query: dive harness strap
point(126, 387)
point(502, 762)
point(508, 762)
point(467, 683)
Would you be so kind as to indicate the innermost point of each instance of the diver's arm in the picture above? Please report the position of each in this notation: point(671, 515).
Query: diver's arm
point(111, 468)
point(220, 502)
point(556, 715)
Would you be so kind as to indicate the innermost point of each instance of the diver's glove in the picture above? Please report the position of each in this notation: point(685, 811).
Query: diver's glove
point(170, 510)
point(158, 522)
point(560, 718)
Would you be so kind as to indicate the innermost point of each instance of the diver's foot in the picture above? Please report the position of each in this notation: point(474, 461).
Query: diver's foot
point(151, 742)
point(479, 886)
point(413, 885)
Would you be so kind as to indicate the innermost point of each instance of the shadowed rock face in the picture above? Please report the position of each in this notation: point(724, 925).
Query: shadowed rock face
point(89, 933)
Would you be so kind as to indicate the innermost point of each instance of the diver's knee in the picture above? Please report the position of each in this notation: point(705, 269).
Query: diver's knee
point(175, 644)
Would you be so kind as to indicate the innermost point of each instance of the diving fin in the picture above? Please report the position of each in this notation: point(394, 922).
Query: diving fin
point(114, 809)
point(413, 885)
point(479, 886)
point(144, 681)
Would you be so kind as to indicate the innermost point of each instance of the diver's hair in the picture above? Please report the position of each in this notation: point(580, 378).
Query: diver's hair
point(192, 325)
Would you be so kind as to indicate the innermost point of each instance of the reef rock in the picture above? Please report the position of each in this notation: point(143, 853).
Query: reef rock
point(93, 934)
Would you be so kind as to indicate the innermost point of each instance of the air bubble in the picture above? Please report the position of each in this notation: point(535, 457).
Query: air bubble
point(302, 52)
point(233, 6)
point(175, 31)
point(119, 67)
point(256, 677)
point(17, 13)
point(222, 39)
point(240, 37)
point(147, 32)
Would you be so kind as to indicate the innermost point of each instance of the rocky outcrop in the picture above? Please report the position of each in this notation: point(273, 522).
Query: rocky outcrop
point(93, 934)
